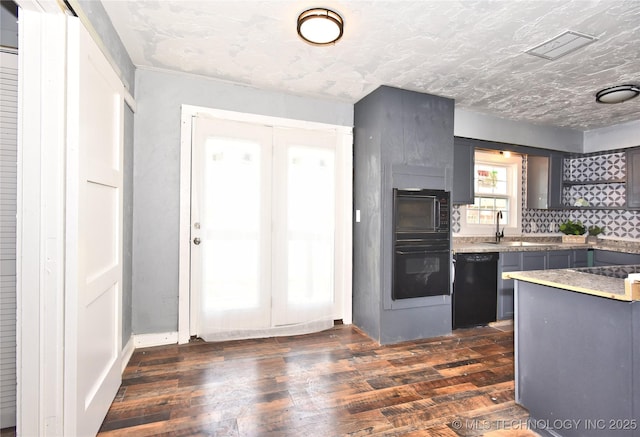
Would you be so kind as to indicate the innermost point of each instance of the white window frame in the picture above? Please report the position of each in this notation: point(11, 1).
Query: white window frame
point(515, 187)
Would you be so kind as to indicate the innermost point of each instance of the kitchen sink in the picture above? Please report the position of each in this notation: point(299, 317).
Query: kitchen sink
point(516, 243)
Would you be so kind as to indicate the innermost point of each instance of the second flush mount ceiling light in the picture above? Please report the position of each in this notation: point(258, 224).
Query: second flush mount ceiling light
point(617, 94)
point(320, 26)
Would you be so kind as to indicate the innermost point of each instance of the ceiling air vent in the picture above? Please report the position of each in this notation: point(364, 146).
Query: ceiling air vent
point(565, 43)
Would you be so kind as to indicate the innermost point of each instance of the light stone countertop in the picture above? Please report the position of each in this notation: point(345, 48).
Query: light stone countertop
point(480, 245)
point(468, 247)
point(582, 282)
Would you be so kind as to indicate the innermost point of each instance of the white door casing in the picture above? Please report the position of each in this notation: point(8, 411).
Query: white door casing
point(312, 175)
point(344, 204)
point(40, 221)
point(93, 261)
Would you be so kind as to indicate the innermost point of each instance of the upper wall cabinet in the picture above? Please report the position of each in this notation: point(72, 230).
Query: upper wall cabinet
point(544, 185)
point(633, 178)
point(463, 162)
point(544, 179)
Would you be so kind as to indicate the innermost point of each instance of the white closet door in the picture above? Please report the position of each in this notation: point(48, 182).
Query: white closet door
point(231, 229)
point(304, 227)
point(8, 192)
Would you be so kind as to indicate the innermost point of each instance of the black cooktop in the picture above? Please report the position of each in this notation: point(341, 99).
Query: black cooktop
point(620, 272)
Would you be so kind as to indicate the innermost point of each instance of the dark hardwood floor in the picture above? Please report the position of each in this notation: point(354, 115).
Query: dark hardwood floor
point(334, 383)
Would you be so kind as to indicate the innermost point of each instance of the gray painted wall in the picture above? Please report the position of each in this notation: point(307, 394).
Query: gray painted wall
point(101, 22)
point(8, 24)
point(486, 127)
point(403, 139)
point(159, 96)
point(615, 137)
point(367, 197)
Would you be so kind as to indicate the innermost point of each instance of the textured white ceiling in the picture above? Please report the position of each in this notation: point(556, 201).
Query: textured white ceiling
point(468, 50)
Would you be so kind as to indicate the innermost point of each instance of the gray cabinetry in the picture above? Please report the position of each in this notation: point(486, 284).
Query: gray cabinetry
point(560, 259)
point(577, 362)
point(463, 170)
point(610, 258)
point(537, 182)
point(534, 260)
point(580, 258)
point(509, 262)
point(556, 163)
point(633, 178)
point(544, 181)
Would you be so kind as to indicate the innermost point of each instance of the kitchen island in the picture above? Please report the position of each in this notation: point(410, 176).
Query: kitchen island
point(577, 350)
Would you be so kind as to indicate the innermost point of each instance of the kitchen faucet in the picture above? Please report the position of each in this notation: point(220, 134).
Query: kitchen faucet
point(499, 234)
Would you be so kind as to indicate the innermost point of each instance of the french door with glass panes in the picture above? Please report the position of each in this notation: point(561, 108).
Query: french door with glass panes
point(263, 229)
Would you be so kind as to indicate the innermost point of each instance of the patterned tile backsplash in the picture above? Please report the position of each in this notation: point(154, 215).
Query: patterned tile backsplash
point(603, 171)
point(595, 167)
point(618, 223)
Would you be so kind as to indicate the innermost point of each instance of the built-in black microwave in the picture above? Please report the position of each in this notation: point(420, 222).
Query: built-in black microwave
point(420, 211)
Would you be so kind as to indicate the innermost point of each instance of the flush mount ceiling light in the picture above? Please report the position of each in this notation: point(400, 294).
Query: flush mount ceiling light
point(617, 94)
point(320, 26)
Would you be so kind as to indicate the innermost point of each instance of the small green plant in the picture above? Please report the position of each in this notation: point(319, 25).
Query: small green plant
point(595, 230)
point(572, 228)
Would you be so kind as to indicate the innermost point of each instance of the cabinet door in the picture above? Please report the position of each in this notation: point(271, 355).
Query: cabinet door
point(544, 181)
point(633, 179)
point(463, 161)
point(556, 162)
point(509, 262)
point(537, 182)
point(580, 258)
point(609, 258)
point(559, 259)
point(534, 260)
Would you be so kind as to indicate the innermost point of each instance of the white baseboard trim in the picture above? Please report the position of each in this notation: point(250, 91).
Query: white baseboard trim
point(159, 339)
point(127, 352)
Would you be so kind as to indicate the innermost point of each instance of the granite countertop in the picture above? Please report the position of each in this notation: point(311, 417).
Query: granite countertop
point(610, 281)
point(530, 244)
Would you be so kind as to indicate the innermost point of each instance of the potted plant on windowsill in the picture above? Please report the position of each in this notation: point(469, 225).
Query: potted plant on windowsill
point(574, 232)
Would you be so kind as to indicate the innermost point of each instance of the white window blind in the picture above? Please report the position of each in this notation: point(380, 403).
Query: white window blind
point(8, 195)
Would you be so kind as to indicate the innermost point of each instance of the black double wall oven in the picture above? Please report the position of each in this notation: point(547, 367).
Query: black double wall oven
point(421, 243)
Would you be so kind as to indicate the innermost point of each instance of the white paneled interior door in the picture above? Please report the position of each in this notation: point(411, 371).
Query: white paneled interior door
point(263, 229)
point(8, 193)
point(93, 235)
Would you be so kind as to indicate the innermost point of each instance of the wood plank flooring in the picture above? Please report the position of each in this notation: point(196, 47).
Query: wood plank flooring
point(335, 383)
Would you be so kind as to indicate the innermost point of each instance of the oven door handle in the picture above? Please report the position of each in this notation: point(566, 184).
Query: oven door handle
point(422, 251)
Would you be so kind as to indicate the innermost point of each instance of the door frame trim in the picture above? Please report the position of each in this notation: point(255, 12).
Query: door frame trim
point(188, 112)
point(40, 261)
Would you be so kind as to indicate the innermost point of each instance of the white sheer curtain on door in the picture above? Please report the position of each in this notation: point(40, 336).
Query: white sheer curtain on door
point(304, 174)
point(263, 211)
point(231, 211)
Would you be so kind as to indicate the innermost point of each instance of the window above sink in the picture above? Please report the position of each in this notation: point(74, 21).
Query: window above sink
point(498, 187)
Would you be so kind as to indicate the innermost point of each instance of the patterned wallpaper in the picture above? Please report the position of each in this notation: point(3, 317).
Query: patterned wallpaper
point(605, 167)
